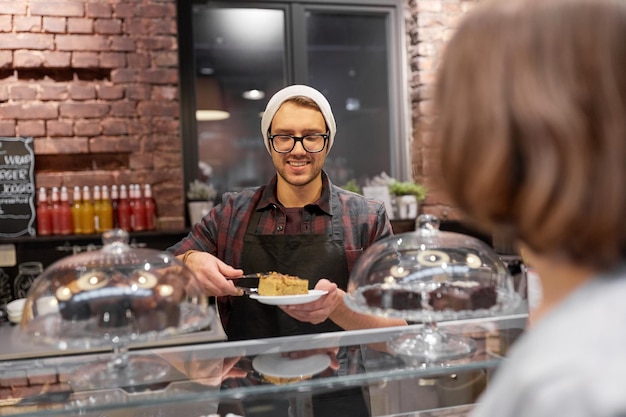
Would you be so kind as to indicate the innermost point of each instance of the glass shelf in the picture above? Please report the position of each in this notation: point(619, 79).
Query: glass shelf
point(292, 370)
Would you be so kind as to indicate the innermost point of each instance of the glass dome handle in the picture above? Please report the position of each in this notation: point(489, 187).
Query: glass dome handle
point(115, 240)
point(427, 222)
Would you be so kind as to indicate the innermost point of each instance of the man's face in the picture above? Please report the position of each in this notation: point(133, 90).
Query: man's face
point(298, 167)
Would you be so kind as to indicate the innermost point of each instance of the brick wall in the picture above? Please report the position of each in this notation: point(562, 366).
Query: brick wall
point(96, 85)
point(429, 25)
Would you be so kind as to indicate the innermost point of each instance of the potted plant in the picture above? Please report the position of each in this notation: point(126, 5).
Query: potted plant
point(352, 185)
point(200, 197)
point(408, 195)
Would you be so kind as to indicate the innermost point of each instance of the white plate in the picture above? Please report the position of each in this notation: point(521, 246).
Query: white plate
point(283, 300)
point(284, 367)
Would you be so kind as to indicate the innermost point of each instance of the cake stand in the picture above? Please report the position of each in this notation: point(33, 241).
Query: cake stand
point(112, 298)
point(430, 276)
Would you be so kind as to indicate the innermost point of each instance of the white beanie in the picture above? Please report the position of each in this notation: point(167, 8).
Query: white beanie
point(292, 91)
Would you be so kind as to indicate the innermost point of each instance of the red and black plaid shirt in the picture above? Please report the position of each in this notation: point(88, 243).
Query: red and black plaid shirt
point(221, 232)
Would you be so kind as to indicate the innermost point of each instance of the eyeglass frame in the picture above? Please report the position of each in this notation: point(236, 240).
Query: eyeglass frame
point(297, 139)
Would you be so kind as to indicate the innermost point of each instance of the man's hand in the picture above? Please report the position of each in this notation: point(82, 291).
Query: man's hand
point(214, 275)
point(319, 310)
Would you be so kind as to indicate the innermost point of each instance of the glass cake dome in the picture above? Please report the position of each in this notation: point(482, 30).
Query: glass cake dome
point(429, 276)
point(113, 297)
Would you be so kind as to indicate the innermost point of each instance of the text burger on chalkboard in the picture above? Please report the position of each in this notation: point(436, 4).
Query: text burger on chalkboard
point(17, 187)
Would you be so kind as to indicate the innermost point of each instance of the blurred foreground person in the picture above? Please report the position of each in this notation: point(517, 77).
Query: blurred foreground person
point(531, 98)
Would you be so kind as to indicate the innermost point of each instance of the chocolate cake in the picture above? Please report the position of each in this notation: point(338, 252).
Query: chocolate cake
point(397, 299)
point(463, 295)
point(454, 296)
point(115, 301)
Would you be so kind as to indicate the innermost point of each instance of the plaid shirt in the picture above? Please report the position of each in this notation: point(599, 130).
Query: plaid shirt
point(221, 232)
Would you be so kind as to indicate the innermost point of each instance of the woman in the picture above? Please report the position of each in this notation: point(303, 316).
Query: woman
point(531, 98)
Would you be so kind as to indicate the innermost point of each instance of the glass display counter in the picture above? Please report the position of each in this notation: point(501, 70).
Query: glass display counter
point(299, 376)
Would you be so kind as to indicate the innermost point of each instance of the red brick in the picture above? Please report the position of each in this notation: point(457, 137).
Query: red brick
point(124, 108)
point(140, 126)
point(112, 60)
point(138, 92)
point(4, 93)
point(124, 10)
point(158, 76)
point(164, 93)
point(27, 59)
point(7, 128)
point(61, 146)
point(138, 60)
point(31, 128)
point(54, 24)
point(114, 127)
point(29, 111)
point(166, 59)
point(157, 43)
point(27, 23)
point(85, 59)
point(87, 128)
point(13, 41)
point(56, 59)
point(149, 109)
point(114, 144)
point(110, 92)
point(108, 26)
point(168, 126)
point(121, 75)
point(59, 128)
point(98, 10)
point(14, 7)
point(6, 23)
point(156, 10)
point(82, 91)
point(138, 27)
point(23, 92)
point(6, 59)
point(83, 110)
point(81, 43)
point(56, 92)
point(119, 43)
point(57, 8)
point(79, 25)
point(164, 27)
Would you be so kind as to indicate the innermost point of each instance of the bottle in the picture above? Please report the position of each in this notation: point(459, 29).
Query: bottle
point(138, 208)
point(44, 218)
point(66, 221)
point(87, 223)
point(123, 209)
point(115, 201)
point(76, 210)
point(26, 274)
point(97, 209)
point(150, 207)
point(106, 211)
point(55, 211)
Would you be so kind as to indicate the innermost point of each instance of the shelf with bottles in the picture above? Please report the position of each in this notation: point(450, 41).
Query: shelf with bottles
point(93, 210)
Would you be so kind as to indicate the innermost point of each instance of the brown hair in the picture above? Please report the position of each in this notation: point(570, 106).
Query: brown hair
point(531, 101)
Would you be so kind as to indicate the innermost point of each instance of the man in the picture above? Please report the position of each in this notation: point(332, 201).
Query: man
point(298, 224)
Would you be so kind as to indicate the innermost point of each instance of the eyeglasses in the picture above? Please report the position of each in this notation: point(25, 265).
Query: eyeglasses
point(311, 143)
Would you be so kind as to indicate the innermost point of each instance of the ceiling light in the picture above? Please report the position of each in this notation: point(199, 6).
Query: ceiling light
point(253, 94)
point(210, 104)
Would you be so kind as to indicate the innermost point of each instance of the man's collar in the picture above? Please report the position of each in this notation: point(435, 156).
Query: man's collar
point(268, 198)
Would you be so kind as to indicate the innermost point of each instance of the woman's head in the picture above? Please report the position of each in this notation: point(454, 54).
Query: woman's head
point(531, 101)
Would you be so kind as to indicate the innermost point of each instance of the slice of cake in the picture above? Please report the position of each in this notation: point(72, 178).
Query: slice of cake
point(275, 283)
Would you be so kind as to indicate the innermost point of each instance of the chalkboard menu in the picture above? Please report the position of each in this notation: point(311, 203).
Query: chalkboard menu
point(17, 187)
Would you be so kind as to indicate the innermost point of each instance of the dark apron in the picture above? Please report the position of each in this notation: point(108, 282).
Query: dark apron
point(308, 256)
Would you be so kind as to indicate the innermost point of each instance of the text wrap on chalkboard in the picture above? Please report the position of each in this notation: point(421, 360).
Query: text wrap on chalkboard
point(17, 187)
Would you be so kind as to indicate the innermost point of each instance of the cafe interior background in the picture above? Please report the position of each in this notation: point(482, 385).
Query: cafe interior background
point(121, 92)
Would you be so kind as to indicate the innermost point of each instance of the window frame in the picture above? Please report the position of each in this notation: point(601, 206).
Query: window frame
point(296, 69)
